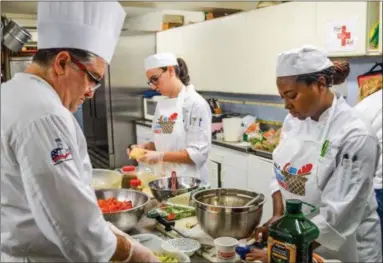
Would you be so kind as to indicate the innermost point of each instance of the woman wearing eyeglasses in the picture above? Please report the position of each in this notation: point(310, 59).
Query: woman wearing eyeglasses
point(182, 124)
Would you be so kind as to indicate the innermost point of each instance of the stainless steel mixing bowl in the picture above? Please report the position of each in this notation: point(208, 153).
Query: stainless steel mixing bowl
point(162, 188)
point(124, 220)
point(221, 212)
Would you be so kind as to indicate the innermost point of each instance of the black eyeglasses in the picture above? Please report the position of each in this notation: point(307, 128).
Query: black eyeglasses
point(153, 80)
point(90, 75)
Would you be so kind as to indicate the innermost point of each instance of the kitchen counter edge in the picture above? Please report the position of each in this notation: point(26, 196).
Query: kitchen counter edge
point(263, 154)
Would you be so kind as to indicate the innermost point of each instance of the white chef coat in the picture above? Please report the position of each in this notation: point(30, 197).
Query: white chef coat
point(343, 191)
point(191, 131)
point(49, 210)
point(371, 110)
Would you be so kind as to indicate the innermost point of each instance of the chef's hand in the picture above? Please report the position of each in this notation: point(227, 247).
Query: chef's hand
point(142, 254)
point(138, 252)
point(257, 254)
point(152, 157)
point(261, 233)
point(130, 148)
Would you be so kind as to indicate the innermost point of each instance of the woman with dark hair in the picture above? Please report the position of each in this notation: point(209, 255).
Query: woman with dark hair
point(182, 123)
point(327, 157)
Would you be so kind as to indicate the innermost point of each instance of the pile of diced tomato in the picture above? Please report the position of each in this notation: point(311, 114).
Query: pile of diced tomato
point(113, 205)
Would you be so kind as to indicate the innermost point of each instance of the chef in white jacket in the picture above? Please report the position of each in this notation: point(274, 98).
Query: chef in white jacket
point(371, 110)
point(182, 123)
point(326, 157)
point(49, 210)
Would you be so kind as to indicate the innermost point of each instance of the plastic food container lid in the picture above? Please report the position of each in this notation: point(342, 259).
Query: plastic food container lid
point(129, 168)
point(186, 245)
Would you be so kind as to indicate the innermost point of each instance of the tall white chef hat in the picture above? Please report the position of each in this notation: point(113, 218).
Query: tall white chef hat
point(160, 60)
point(303, 60)
point(90, 26)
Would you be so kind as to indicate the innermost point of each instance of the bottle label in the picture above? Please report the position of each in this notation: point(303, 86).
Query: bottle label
point(281, 252)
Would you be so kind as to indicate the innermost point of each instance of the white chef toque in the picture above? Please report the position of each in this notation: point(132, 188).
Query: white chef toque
point(89, 26)
point(303, 60)
point(160, 60)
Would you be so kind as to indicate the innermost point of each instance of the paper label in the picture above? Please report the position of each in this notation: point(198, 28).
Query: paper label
point(341, 36)
point(280, 252)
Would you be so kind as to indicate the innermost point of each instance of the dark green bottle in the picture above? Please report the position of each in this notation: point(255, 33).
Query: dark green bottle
point(290, 238)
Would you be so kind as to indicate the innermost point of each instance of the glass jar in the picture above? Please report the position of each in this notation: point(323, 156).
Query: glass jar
point(129, 174)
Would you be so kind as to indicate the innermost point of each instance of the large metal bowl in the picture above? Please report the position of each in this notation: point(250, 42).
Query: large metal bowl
point(124, 220)
point(162, 188)
point(221, 212)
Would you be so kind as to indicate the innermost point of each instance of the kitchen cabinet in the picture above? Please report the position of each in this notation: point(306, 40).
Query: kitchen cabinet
point(233, 177)
point(237, 53)
point(381, 28)
point(233, 166)
point(273, 30)
point(344, 27)
point(351, 17)
point(375, 14)
point(127, 65)
point(213, 173)
point(260, 174)
point(193, 43)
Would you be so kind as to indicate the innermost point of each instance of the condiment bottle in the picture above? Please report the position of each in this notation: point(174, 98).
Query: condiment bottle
point(242, 250)
point(136, 185)
point(290, 238)
point(129, 173)
point(216, 106)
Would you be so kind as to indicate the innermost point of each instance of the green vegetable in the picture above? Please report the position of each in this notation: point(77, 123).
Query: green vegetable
point(179, 212)
point(176, 212)
point(254, 141)
point(167, 258)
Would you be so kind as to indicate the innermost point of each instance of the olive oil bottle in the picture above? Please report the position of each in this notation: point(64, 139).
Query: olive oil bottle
point(290, 238)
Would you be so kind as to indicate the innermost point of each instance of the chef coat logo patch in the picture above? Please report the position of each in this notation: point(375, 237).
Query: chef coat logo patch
point(165, 124)
point(292, 179)
point(60, 154)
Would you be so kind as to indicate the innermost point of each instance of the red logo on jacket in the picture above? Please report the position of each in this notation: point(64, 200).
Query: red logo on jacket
point(60, 154)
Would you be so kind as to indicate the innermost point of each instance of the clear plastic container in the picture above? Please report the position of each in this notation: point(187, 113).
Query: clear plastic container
point(103, 178)
point(146, 175)
point(129, 174)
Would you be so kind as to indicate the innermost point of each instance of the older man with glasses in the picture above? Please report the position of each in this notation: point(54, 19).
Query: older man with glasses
point(49, 211)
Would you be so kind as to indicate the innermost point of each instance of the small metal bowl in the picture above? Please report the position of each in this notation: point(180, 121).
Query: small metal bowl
point(162, 188)
point(125, 220)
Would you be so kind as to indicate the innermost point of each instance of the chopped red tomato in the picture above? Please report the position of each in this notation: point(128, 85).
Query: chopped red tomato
point(113, 205)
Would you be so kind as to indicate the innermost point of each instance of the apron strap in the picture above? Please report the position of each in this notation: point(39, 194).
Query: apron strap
point(180, 103)
point(331, 113)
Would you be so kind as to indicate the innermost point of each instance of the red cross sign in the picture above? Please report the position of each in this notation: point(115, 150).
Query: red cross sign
point(344, 36)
